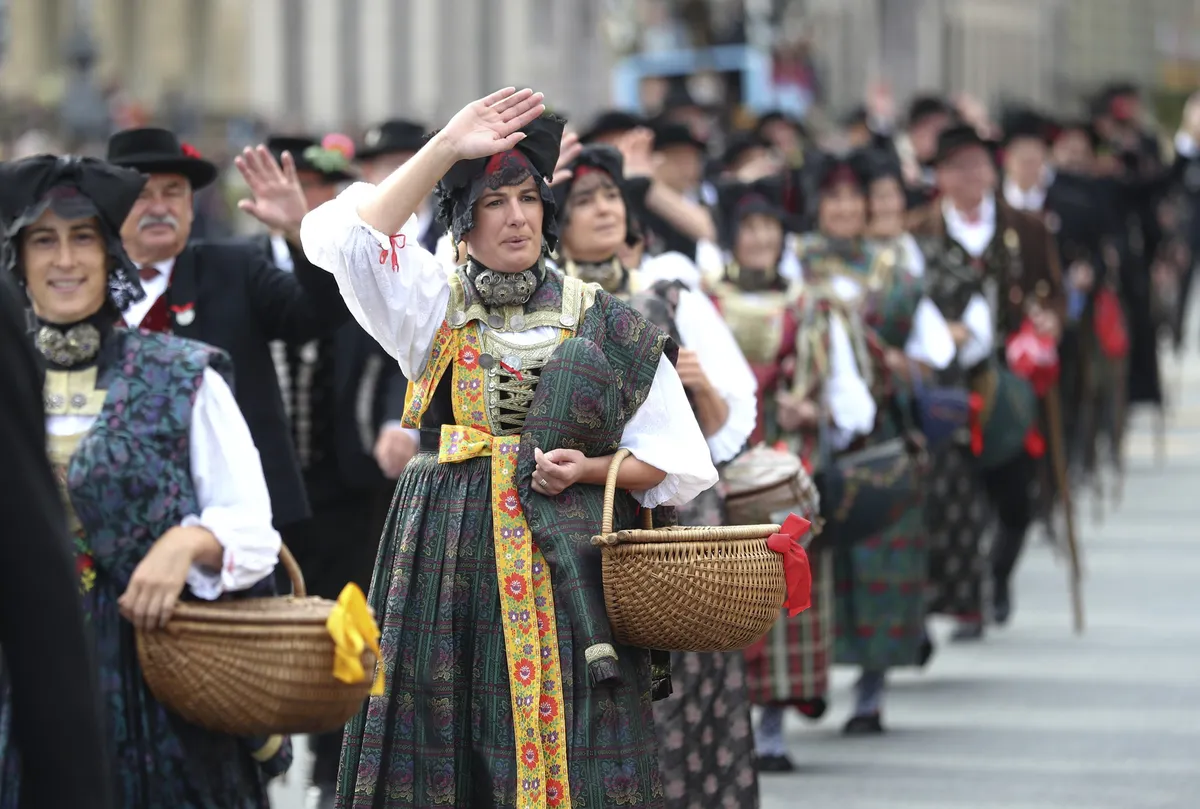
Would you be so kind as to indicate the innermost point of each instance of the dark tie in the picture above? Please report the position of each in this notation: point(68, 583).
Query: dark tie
point(158, 318)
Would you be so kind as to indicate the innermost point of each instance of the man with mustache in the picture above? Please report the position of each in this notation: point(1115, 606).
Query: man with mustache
point(229, 294)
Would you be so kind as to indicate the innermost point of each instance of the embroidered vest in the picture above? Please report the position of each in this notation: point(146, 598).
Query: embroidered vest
point(129, 479)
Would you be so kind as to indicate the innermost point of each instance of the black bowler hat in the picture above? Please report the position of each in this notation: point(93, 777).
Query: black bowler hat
point(310, 155)
point(958, 137)
point(392, 137)
point(159, 151)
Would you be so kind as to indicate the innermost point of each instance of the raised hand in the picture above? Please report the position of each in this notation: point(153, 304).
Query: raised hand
point(278, 196)
point(492, 125)
point(637, 147)
point(568, 150)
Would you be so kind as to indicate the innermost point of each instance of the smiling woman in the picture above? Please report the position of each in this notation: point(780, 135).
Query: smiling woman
point(160, 480)
point(66, 267)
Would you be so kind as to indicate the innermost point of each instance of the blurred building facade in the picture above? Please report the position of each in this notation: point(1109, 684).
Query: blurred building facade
point(325, 64)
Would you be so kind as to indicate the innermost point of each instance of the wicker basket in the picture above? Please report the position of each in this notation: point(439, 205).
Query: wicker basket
point(252, 668)
point(688, 589)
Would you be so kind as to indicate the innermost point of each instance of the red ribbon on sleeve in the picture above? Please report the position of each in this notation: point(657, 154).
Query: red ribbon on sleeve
point(397, 242)
point(796, 570)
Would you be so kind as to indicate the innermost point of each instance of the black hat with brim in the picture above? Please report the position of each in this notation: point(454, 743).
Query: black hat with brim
point(671, 133)
point(956, 138)
point(158, 151)
point(1025, 125)
point(309, 155)
point(395, 136)
point(1083, 127)
point(611, 122)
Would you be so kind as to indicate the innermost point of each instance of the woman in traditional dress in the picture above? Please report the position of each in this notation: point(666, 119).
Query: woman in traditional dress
point(162, 483)
point(504, 685)
point(848, 290)
point(790, 666)
point(956, 511)
point(704, 728)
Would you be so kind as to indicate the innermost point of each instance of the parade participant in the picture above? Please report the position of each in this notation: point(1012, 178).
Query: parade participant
point(679, 169)
point(849, 291)
point(991, 270)
point(505, 686)
point(1139, 182)
point(790, 666)
point(162, 483)
point(339, 392)
point(228, 294)
point(955, 511)
point(1072, 206)
point(706, 747)
point(48, 668)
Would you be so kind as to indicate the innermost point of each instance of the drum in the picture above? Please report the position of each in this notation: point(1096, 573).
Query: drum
point(764, 485)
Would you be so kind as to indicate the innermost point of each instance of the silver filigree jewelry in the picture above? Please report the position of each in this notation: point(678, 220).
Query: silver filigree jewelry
point(505, 288)
point(77, 345)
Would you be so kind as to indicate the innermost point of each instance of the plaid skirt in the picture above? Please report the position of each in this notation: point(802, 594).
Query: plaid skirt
point(442, 734)
point(790, 665)
point(880, 595)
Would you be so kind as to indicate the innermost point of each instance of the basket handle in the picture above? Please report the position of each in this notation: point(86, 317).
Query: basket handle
point(299, 590)
point(610, 495)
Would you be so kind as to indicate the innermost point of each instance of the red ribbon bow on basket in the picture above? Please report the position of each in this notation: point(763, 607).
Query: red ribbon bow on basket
point(796, 570)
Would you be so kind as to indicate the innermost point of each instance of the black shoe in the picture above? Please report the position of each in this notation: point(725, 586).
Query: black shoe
point(967, 631)
point(1001, 605)
point(770, 764)
point(925, 653)
point(865, 725)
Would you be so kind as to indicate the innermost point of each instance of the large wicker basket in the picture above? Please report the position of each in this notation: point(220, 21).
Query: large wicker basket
point(688, 589)
point(252, 668)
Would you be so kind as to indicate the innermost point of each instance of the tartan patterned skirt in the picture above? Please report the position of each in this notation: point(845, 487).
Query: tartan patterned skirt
point(442, 734)
point(880, 595)
point(790, 666)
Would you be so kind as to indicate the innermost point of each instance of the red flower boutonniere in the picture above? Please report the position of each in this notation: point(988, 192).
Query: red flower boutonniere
point(185, 314)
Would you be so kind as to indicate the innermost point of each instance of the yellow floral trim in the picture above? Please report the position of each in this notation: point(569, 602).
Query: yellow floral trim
point(526, 595)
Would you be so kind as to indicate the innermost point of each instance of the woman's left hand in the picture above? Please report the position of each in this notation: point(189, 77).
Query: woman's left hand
point(557, 470)
point(159, 578)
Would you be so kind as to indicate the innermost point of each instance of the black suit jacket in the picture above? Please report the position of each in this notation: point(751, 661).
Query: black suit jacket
point(240, 302)
point(57, 721)
point(369, 390)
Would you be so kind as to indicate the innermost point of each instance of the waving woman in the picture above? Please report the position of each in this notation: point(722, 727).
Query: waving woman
point(504, 687)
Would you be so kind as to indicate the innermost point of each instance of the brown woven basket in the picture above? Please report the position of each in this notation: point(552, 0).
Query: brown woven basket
point(256, 667)
point(688, 589)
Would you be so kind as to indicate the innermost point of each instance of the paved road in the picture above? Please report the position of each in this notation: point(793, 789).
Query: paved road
point(1034, 717)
